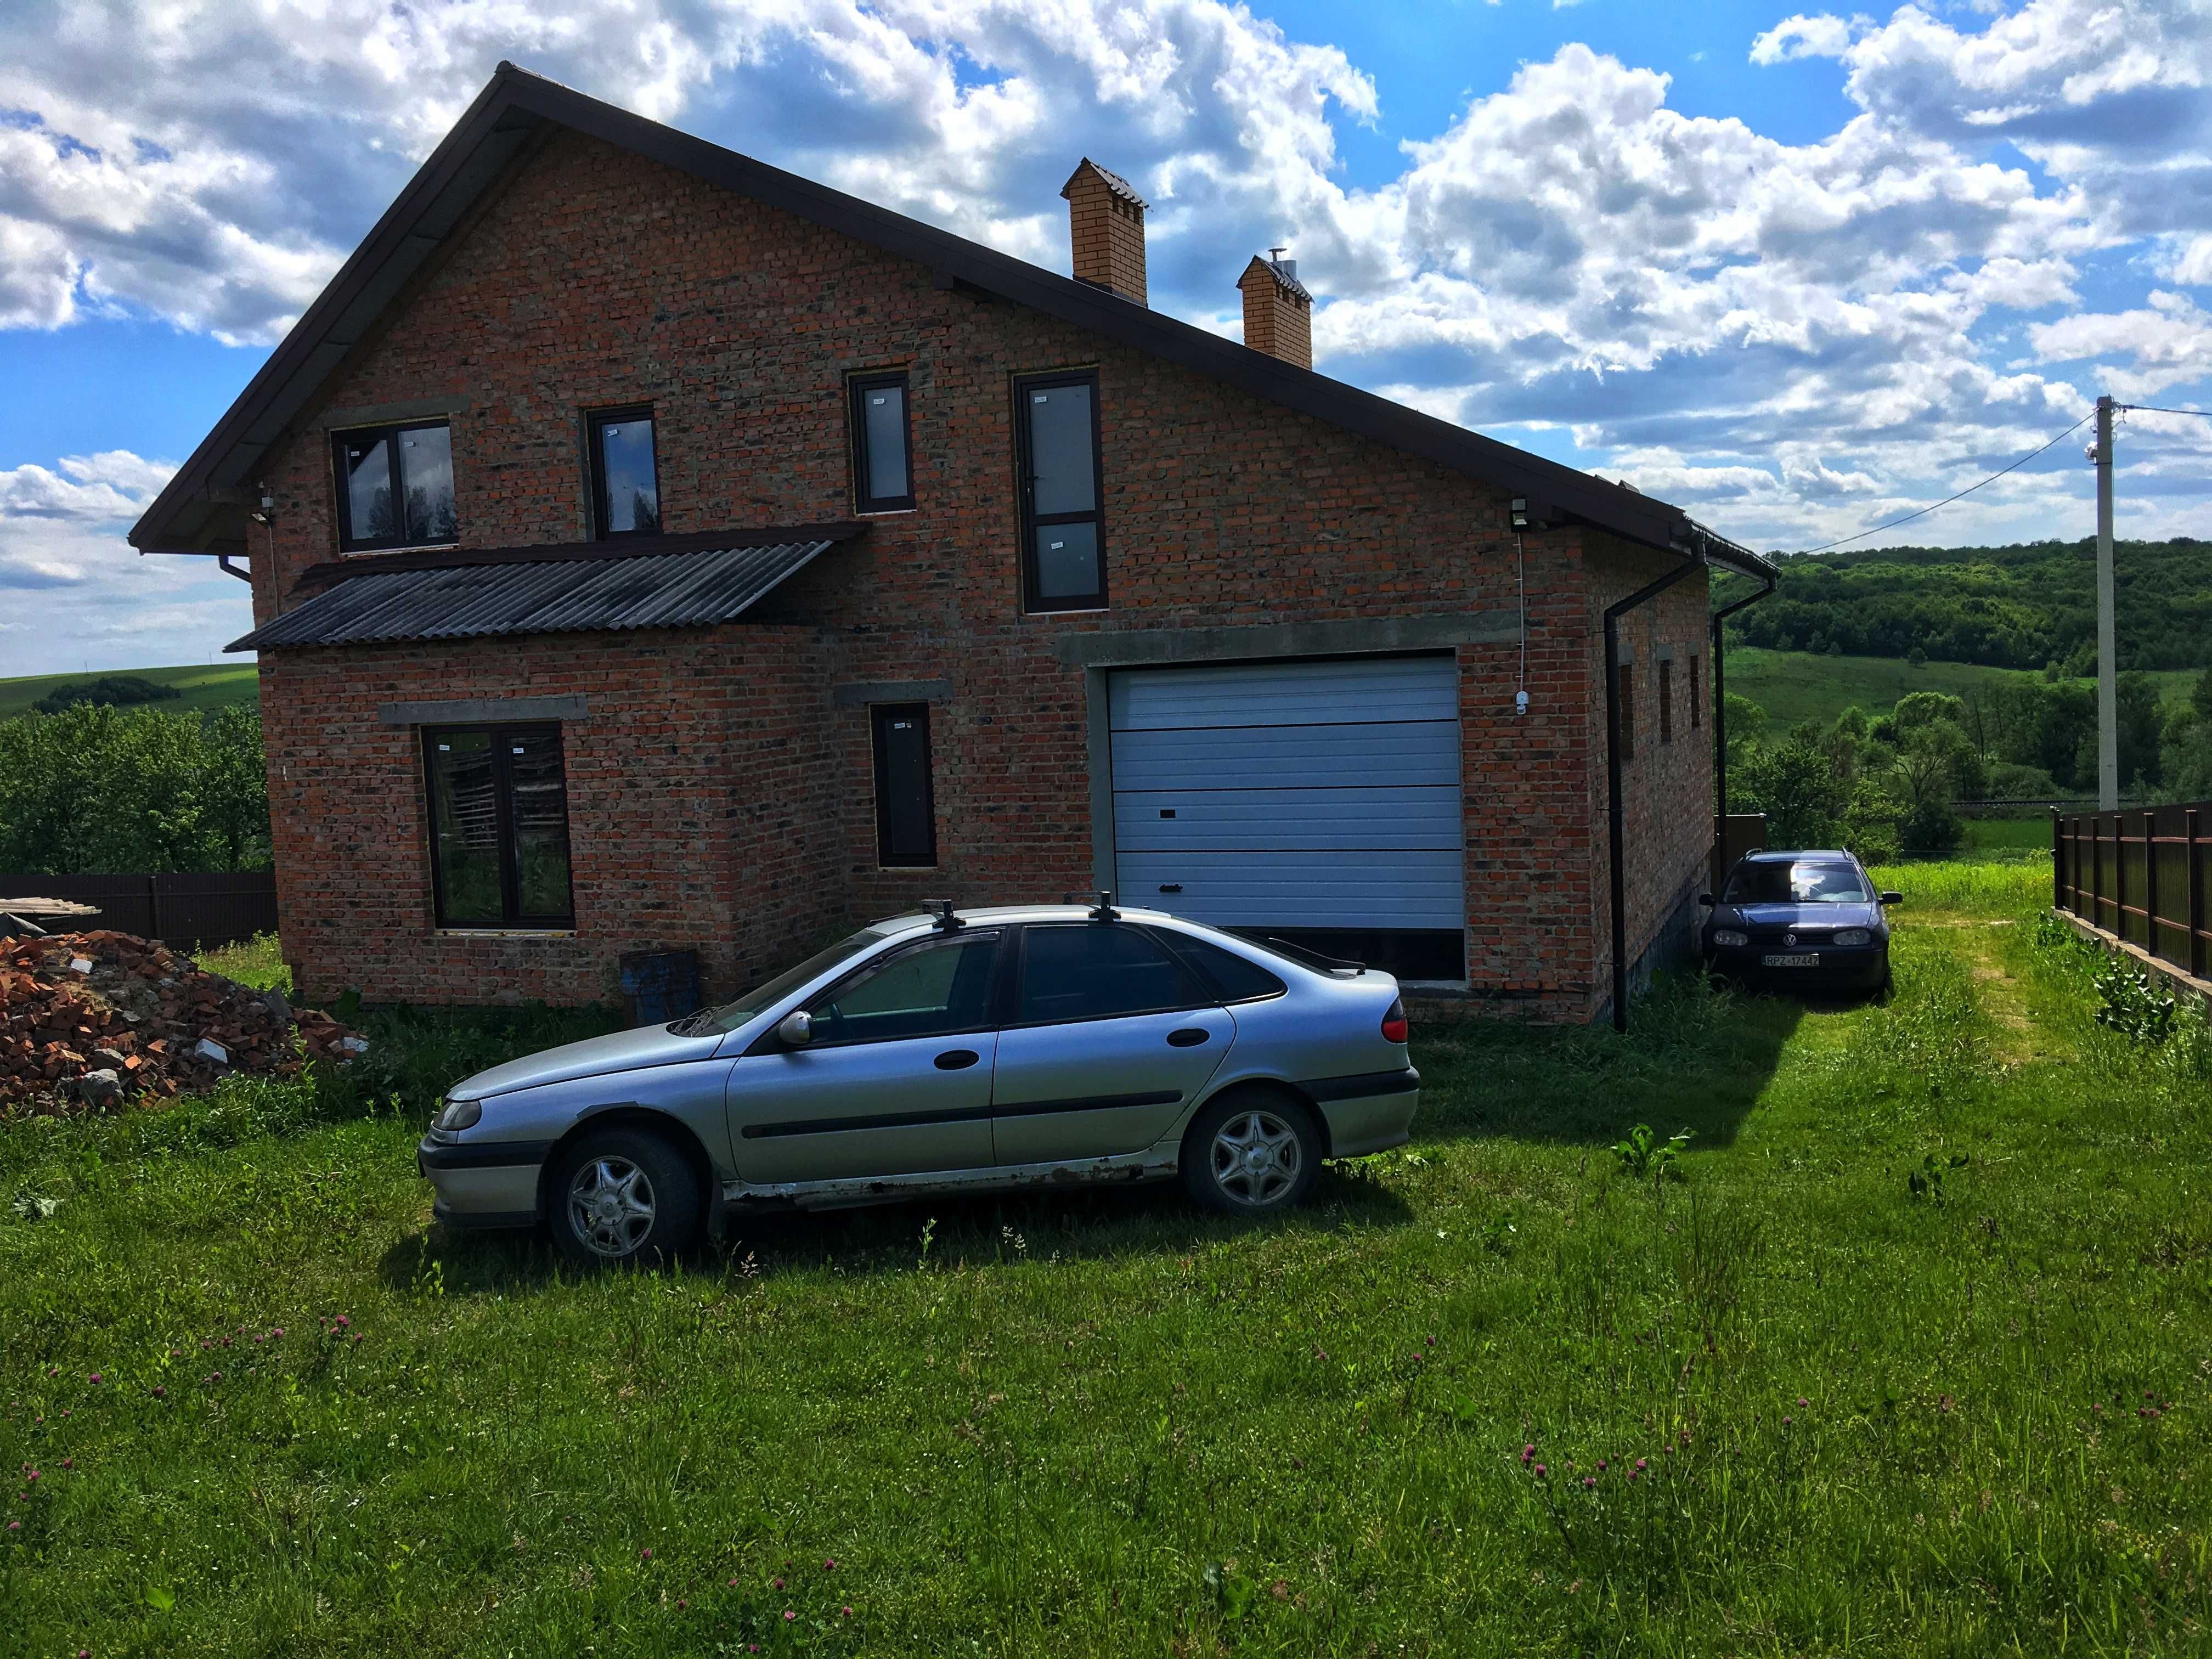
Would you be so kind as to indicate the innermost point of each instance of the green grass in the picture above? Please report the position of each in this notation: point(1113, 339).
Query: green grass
point(2027, 834)
point(204, 686)
point(1801, 685)
point(258, 961)
point(1104, 1423)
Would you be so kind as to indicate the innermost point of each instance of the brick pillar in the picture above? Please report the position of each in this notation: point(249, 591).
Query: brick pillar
point(1278, 311)
point(1106, 226)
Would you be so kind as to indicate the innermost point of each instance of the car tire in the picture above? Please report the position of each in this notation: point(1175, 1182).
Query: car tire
point(622, 1197)
point(1251, 1152)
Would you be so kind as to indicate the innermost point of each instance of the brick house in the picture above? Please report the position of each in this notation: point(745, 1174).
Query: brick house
point(652, 550)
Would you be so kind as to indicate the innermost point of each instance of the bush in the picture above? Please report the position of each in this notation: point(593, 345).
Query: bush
point(100, 789)
point(2012, 782)
point(108, 691)
point(1933, 826)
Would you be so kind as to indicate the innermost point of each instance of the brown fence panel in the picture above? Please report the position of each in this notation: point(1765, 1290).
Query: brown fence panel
point(2140, 874)
point(190, 910)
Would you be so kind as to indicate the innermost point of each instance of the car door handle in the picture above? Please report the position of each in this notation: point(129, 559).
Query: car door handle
point(1190, 1037)
point(957, 1060)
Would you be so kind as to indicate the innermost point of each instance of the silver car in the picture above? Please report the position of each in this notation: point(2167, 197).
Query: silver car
point(1050, 1046)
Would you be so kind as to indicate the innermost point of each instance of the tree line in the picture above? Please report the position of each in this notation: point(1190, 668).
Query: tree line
point(1882, 783)
point(97, 789)
point(2025, 606)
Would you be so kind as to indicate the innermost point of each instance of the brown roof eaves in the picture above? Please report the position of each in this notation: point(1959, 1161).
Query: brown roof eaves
point(516, 104)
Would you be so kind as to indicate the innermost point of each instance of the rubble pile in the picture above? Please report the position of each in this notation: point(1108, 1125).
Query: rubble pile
point(89, 1020)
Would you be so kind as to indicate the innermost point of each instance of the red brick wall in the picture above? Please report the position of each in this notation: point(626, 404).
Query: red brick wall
point(602, 279)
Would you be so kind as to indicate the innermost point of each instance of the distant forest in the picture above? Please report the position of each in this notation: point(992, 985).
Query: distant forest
point(2025, 606)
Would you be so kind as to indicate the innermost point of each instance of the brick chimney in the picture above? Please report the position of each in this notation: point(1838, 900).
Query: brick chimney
point(1106, 223)
point(1278, 310)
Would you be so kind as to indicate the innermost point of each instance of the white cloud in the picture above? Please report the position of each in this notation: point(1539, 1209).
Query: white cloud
point(1802, 37)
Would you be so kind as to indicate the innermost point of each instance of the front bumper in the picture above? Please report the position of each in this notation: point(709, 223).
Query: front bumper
point(1841, 968)
point(1371, 1113)
point(485, 1184)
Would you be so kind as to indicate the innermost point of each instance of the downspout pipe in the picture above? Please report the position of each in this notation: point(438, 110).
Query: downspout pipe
point(1767, 579)
point(1616, 817)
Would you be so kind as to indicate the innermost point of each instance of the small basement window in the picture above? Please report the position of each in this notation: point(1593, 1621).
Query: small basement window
point(906, 806)
point(499, 826)
point(625, 474)
point(883, 478)
point(395, 487)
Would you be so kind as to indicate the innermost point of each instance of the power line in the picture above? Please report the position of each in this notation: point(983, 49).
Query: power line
point(2153, 409)
point(1923, 512)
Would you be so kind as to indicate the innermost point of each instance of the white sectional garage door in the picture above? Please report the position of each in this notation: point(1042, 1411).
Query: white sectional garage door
point(1292, 795)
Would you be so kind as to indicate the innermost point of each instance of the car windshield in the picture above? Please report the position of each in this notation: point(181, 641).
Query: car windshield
point(1808, 881)
point(716, 1022)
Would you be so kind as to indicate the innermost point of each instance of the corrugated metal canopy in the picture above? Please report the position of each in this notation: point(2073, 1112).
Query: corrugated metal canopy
point(466, 601)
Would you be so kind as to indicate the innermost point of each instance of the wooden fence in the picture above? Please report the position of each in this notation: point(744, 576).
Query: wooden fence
point(2138, 874)
point(189, 909)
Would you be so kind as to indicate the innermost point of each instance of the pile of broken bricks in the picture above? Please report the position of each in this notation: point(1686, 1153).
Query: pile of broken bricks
point(89, 1020)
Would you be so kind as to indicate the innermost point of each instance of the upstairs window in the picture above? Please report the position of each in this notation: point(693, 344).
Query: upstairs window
point(1666, 700)
point(499, 826)
point(395, 487)
point(883, 480)
point(625, 474)
point(1063, 550)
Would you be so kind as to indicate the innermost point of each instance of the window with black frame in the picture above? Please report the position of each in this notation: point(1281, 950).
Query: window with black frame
point(1063, 542)
point(395, 487)
point(882, 475)
point(499, 826)
point(625, 474)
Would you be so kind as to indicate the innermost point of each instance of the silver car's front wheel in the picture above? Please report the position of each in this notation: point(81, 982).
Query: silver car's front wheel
point(1251, 1153)
point(624, 1193)
point(610, 1207)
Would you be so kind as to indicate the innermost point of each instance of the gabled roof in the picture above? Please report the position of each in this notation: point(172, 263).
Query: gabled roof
point(203, 509)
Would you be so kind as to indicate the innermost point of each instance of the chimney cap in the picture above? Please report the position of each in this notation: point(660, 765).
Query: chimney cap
point(1113, 181)
point(1286, 277)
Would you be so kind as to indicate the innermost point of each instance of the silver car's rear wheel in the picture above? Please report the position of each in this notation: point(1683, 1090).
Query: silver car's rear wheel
point(610, 1207)
point(620, 1194)
point(1252, 1152)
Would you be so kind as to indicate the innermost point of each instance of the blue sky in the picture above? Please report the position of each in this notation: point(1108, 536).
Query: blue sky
point(1798, 272)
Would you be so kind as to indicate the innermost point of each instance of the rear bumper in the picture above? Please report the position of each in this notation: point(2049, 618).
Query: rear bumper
point(1371, 1113)
point(490, 1184)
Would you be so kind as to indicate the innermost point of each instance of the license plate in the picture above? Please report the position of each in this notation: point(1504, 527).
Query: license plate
point(1794, 959)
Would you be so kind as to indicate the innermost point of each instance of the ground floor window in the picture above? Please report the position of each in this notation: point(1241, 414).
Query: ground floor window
point(499, 826)
point(906, 807)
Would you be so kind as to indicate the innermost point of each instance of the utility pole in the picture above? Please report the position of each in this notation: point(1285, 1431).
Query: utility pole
point(2108, 695)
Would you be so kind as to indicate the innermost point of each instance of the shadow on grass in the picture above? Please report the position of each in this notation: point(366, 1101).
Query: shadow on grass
point(1694, 1058)
point(1153, 1219)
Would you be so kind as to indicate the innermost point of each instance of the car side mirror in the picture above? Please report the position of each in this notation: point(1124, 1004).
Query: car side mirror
point(1893, 898)
point(795, 1029)
point(1705, 899)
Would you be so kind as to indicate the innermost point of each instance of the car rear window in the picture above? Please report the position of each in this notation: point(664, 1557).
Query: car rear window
point(1806, 881)
point(1236, 978)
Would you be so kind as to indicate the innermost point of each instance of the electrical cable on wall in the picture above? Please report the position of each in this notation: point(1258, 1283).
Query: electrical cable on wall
point(1520, 561)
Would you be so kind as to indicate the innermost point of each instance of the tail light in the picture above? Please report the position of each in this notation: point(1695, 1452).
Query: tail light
point(1394, 1023)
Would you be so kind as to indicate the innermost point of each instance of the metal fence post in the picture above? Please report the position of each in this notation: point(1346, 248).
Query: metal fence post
point(2150, 881)
point(2196, 896)
point(2119, 878)
point(2057, 862)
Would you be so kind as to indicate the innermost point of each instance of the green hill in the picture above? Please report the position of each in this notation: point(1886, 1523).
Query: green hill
point(1800, 685)
point(1999, 607)
point(202, 686)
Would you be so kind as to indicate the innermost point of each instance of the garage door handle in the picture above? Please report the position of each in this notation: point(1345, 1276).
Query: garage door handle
point(1190, 1037)
point(1171, 887)
point(957, 1060)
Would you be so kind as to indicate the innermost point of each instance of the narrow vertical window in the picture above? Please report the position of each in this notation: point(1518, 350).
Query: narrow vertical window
point(906, 809)
point(1628, 711)
point(625, 474)
point(395, 487)
point(1666, 700)
point(1697, 698)
point(882, 473)
point(1063, 550)
point(499, 826)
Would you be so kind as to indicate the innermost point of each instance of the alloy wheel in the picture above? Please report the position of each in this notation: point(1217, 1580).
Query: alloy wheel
point(610, 1207)
point(1256, 1158)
